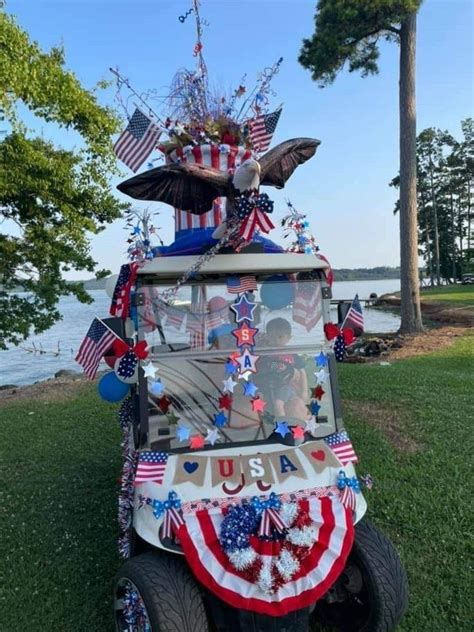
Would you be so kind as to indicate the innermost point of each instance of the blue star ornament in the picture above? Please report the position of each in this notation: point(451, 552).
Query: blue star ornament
point(156, 388)
point(249, 389)
point(230, 368)
point(314, 407)
point(282, 428)
point(321, 359)
point(220, 420)
point(183, 433)
point(243, 309)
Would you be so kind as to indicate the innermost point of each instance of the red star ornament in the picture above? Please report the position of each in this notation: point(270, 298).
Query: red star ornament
point(258, 405)
point(298, 432)
point(318, 392)
point(196, 442)
point(164, 403)
point(245, 335)
point(225, 401)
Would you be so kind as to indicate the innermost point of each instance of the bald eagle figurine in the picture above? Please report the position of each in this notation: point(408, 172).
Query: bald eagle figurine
point(194, 187)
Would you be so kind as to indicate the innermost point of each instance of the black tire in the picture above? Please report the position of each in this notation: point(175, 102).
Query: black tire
point(372, 593)
point(171, 597)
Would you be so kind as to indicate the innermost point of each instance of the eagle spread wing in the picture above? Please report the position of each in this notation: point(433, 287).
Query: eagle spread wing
point(187, 186)
point(278, 164)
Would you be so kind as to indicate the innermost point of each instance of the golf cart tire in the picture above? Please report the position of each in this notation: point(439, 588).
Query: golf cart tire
point(171, 595)
point(387, 577)
point(385, 580)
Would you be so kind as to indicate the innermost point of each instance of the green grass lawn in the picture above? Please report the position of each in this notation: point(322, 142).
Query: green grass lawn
point(61, 466)
point(459, 295)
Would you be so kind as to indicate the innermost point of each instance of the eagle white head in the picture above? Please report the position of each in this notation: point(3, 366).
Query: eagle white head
point(247, 176)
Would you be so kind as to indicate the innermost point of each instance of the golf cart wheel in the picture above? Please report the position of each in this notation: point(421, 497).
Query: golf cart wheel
point(155, 592)
point(371, 595)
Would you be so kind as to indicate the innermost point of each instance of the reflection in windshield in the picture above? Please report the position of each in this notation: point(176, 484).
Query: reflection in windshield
point(231, 366)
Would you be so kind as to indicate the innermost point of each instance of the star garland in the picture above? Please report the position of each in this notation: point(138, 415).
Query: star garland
point(129, 464)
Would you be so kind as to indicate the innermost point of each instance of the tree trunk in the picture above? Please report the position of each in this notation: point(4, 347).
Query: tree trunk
point(434, 206)
point(453, 239)
point(409, 277)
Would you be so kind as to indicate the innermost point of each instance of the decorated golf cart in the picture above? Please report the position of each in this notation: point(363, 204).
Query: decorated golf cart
point(240, 507)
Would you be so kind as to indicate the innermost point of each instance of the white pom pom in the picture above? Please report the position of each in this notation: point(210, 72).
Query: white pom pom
point(306, 536)
point(287, 564)
point(265, 580)
point(288, 513)
point(242, 558)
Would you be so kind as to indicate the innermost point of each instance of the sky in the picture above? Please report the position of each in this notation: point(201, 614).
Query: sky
point(344, 189)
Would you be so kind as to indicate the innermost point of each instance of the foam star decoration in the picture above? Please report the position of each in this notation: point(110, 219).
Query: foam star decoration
point(318, 392)
point(149, 370)
point(258, 405)
point(225, 402)
point(220, 419)
point(245, 376)
point(298, 432)
point(229, 385)
point(250, 389)
point(282, 428)
point(321, 359)
point(156, 388)
point(164, 403)
point(196, 442)
point(234, 356)
point(172, 418)
point(247, 362)
point(245, 335)
point(230, 368)
point(182, 433)
point(212, 436)
point(310, 426)
point(314, 408)
point(243, 309)
point(321, 376)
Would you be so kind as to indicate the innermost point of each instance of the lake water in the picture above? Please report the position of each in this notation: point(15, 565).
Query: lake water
point(17, 366)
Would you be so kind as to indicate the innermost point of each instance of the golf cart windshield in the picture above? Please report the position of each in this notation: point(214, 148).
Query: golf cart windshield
point(233, 364)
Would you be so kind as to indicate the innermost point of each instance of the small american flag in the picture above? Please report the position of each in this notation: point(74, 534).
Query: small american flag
point(307, 306)
point(354, 317)
point(342, 447)
point(98, 340)
point(121, 298)
point(261, 130)
point(237, 285)
point(136, 142)
point(151, 467)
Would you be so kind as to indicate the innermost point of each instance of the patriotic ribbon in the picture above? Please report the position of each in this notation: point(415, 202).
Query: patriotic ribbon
point(332, 331)
point(170, 508)
point(348, 487)
point(344, 481)
point(253, 213)
point(121, 348)
point(270, 515)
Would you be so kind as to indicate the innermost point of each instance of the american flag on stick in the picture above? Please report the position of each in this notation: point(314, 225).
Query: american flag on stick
point(137, 141)
point(151, 467)
point(354, 317)
point(121, 298)
point(98, 340)
point(342, 447)
point(262, 128)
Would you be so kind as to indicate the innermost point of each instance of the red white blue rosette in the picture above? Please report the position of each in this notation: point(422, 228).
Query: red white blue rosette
point(276, 576)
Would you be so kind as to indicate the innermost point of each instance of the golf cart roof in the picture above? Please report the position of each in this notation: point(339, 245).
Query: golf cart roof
point(256, 263)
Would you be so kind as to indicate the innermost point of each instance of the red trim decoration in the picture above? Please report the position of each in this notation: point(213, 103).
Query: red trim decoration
point(272, 575)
